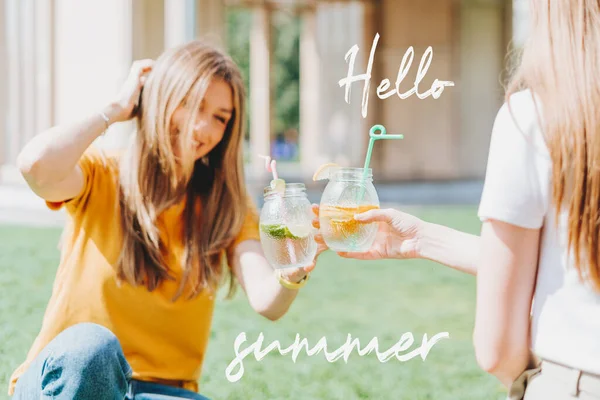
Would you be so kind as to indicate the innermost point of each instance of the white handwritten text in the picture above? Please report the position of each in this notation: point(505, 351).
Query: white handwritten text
point(436, 88)
point(405, 342)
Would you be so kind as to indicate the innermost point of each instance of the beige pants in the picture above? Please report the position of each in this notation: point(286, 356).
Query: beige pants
point(552, 381)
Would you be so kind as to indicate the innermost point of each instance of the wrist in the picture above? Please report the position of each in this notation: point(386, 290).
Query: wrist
point(285, 281)
point(426, 239)
point(447, 246)
point(113, 112)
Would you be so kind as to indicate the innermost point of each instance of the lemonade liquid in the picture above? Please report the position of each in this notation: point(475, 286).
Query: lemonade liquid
point(342, 232)
point(285, 249)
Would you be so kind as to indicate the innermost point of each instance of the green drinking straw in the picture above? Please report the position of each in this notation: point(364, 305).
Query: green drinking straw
point(374, 136)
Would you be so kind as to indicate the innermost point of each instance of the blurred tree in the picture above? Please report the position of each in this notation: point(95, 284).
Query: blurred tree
point(239, 24)
point(286, 63)
point(287, 71)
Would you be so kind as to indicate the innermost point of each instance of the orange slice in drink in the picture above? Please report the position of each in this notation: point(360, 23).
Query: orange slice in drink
point(341, 218)
point(344, 227)
point(323, 171)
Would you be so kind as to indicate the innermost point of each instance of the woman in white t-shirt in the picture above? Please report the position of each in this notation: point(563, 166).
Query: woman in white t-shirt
point(537, 260)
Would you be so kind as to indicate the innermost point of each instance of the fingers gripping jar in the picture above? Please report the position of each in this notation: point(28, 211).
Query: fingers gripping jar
point(348, 192)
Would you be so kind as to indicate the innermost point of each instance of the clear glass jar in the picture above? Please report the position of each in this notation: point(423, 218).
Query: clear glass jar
point(347, 194)
point(286, 231)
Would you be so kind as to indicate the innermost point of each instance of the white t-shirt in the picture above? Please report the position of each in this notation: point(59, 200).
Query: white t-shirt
point(517, 190)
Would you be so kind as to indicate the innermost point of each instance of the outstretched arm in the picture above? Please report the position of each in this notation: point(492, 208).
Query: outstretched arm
point(456, 249)
point(404, 236)
point(260, 282)
point(504, 259)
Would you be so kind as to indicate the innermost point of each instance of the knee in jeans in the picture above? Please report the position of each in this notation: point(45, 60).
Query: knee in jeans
point(88, 345)
point(84, 360)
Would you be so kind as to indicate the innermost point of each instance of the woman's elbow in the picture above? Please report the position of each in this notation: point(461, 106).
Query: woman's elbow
point(24, 163)
point(29, 166)
point(270, 311)
point(504, 363)
point(271, 315)
point(488, 359)
point(490, 353)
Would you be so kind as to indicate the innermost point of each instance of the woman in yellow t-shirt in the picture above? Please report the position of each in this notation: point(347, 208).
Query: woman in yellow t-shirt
point(151, 234)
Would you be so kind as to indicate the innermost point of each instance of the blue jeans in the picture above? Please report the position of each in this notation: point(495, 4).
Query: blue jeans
point(86, 361)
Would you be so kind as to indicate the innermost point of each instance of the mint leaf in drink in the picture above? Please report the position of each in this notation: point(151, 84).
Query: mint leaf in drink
point(277, 231)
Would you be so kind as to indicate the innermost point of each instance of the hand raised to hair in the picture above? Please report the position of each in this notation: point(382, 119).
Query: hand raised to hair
point(127, 99)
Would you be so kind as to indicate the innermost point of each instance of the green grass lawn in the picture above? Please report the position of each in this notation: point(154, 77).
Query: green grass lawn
point(364, 299)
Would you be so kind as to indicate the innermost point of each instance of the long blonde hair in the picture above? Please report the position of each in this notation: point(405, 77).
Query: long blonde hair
point(152, 179)
point(561, 66)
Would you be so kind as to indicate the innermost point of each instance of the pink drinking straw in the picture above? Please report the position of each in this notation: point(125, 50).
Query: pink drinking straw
point(274, 169)
point(271, 166)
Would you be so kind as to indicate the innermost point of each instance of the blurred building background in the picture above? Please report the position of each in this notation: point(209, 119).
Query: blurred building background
point(63, 59)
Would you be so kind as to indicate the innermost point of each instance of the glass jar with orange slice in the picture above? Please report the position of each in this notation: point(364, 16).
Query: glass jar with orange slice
point(349, 191)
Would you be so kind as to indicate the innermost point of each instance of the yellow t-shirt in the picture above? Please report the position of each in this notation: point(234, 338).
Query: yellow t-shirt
point(161, 339)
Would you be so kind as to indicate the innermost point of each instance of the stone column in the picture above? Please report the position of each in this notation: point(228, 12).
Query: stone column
point(210, 21)
point(93, 51)
point(310, 77)
point(483, 50)
point(429, 150)
point(27, 73)
point(25, 79)
point(176, 29)
point(519, 22)
point(372, 24)
point(508, 23)
point(260, 105)
point(13, 66)
point(342, 136)
point(44, 65)
point(3, 87)
point(148, 28)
